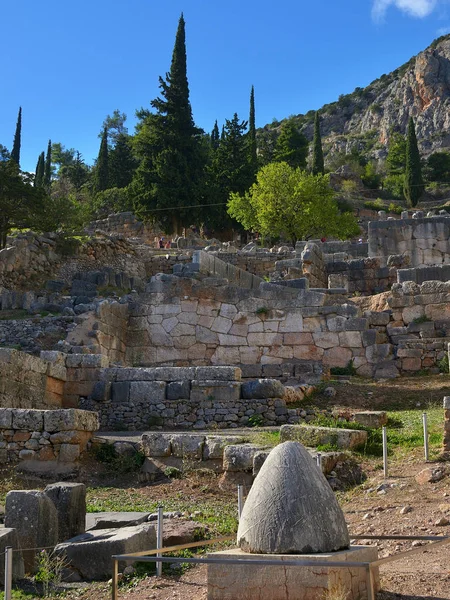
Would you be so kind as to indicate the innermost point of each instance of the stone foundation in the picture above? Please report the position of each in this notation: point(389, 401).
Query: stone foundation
point(247, 582)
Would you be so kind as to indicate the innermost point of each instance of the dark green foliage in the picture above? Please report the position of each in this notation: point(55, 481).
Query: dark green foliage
point(115, 126)
point(413, 185)
point(370, 177)
point(267, 140)
point(102, 167)
point(169, 181)
point(215, 136)
point(20, 202)
point(77, 172)
point(317, 158)
point(48, 165)
point(15, 152)
point(291, 146)
point(40, 171)
point(349, 369)
point(396, 158)
point(252, 154)
point(438, 167)
point(122, 163)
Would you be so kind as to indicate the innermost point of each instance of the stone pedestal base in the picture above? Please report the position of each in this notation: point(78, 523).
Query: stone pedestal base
point(247, 582)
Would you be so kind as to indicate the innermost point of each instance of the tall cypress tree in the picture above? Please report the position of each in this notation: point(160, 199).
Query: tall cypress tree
point(48, 165)
point(121, 162)
point(317, 158)
point(253, 157)
point(170, 176)
point(40, 171)
point(215, 136)
point(15, 152)
point(102, 168)
point(413, 186)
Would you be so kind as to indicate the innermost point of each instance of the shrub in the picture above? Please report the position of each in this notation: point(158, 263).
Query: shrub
point(349, 369)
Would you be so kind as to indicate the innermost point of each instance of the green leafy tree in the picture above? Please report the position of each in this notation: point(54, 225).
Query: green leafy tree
point(169, 181)
point(396, 157)
point(15, 152)
point(370, 177)
point(293, 204)
point(62, 157)
point(20, 202)
point(40, 171)
point(77, 172)
point(115, 126)
point(291, 146)
point(413, 186)
point(48, 165)
point(122, 163)
point(317, 156)
point(102, 166)
point(438, 167)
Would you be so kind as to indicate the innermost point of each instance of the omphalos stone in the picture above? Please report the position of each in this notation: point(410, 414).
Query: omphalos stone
point(291, 508)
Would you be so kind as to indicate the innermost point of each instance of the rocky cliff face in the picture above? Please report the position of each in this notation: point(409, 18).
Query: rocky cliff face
point(366, 117)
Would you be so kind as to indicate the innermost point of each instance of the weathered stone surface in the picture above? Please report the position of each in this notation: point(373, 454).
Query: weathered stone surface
point(90, 553)
point(262, 388)
point(8, 537)
point(291, 508)
point(156, 444)
point(187, 446)
point(215, 445)
point(114, 520)
point(35, 518)
point(318, 436)
point(372, 418)
point(70, 503)
point(240, 457)
point(70, 419)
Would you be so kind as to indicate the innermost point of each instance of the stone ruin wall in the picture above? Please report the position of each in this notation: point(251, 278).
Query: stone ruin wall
point(45, 435)
point(424, 240)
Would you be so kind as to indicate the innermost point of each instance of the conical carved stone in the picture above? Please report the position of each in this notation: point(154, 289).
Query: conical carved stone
point(291, 508)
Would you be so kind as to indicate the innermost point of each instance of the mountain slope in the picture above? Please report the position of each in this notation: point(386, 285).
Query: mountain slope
point(366, 117)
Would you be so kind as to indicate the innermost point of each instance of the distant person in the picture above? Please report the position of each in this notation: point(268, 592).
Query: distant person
point(168, 244)
point(161, 243)
point(324, 239)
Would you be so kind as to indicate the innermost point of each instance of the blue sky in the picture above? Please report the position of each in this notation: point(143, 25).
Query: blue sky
point(69, 64)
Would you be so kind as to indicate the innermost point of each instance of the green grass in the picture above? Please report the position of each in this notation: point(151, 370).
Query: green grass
point(10, 315)
point(18, 595)
point(218, 514)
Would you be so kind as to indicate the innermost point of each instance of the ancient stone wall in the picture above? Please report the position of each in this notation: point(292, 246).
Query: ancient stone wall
point(425, 240)
point(349, 248)
point(421, 274)
point(364, 275)
point(210, 264)
point(61, 435)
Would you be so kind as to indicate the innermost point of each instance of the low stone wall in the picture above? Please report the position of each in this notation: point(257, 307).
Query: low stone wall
point(260, 262)
point(425, 240)
point(187, 397)
point(44, 435)
point(421, 274)
point(366, 275)
point(351, 249)
point(210, 264)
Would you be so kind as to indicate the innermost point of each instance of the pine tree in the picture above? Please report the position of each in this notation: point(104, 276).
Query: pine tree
point(413, 185)
point(48, 165)
point(317, 158)
point(291, 146)
point(253, 157)
point(40, 171)
point(215, 136)
point(15, 153)
point(102, 167)
point(170, 176)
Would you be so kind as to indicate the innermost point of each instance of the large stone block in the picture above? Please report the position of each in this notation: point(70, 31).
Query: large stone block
point(187, 446)
point(30, 419)
point(262, 388)
point(70, 503)
point(89, 554)
point(215, 445)
point(155, 444)
point(35, 519)
point(320, 436)
point(239, 457)
point(152, 392)
point(281, 582)
point(70, 419)
point(218, 391)
point(6, 417)
point(9, 538)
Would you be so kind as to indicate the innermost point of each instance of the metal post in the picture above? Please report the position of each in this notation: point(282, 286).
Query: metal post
point(159, 539)
point(319, 460)
point(240, 500)
point(115, 576)
point(8, 572)
point(385, 459)
point(370, 584)
point(425, 435)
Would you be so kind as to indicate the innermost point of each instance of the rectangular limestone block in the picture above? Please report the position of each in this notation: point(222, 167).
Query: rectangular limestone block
point(282, 582)
point(309, 435)
point(218, 391)
point(148, 391)
point(70, 419)
point(70, 503)
point(9, 538)
point(30, 419)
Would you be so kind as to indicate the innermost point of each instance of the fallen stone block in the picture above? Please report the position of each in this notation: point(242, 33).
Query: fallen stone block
point(373, 419)
point(70, 503)
point(320, 436)
point(35, 519)
point(240, 457)
point(89, 554)
point(262, 388)
point(114, 520)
